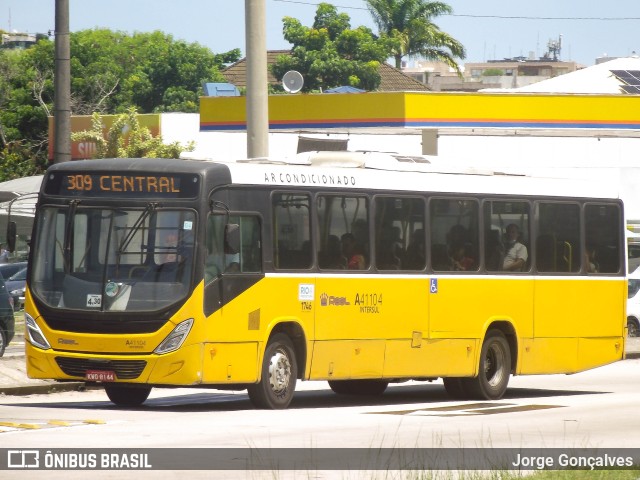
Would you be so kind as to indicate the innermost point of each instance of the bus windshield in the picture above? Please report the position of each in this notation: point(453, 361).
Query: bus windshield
point(113, 259)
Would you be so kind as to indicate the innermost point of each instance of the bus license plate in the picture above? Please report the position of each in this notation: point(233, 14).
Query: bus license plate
point(100, 376)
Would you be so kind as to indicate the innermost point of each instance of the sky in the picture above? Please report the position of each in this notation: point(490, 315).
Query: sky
point(489, 29)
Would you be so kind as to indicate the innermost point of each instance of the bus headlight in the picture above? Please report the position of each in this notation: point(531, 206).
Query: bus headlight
point(34, 334)
point(175, 338)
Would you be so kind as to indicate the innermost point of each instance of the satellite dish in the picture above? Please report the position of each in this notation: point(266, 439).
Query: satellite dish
point(292, 81)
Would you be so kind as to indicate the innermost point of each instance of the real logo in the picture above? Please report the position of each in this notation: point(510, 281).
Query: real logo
point(324, 300)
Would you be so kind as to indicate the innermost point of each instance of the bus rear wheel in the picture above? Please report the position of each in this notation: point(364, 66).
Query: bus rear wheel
point(494, 369)
point(127, 396)
point(358, 387)
point(632, 327)
point(279, 373)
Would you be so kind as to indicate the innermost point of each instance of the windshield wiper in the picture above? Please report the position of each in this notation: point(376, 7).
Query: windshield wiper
point(68, 233)
point(151, 207)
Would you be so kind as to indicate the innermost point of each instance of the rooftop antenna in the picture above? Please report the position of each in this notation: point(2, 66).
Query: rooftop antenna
point(553, 48)
point(292, 81)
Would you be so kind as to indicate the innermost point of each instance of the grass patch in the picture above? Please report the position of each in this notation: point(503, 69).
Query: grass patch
point(498, 475)
point(585, 475)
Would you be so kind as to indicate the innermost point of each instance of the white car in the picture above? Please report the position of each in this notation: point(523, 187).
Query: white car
point(633, 303)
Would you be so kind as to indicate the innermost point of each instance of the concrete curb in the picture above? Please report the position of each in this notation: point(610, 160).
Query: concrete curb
point(45, 388)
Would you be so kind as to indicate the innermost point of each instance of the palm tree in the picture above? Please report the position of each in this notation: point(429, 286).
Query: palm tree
point(409, 23)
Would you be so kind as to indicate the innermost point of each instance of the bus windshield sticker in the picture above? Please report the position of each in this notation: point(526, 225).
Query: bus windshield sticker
point(94, 300)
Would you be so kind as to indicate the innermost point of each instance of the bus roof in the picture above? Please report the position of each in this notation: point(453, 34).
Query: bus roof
point(359, 170)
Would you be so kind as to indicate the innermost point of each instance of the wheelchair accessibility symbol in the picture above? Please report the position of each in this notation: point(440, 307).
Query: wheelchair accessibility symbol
point(433, 287)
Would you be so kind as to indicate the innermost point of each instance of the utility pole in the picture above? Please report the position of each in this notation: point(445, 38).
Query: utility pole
point(257, 92)
point(62, 85)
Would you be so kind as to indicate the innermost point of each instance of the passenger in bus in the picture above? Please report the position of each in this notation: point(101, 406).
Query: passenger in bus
point(590, 259)
point(332, 258)
point(168, 248)
point(459, 250)
point(456, 237)
point(387, 259)
point(231, 262)
point(461, 260)
point(396, 238)
point(174, 259)
point(216, 264)
point(353, 252)
point(389, 250)
point(415, 258)
point(516, 255)
point(494, 250)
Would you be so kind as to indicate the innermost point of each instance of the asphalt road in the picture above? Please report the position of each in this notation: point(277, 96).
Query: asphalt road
point(593, 409)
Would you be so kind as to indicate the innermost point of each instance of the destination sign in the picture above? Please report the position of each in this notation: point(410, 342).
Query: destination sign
point(125, 185)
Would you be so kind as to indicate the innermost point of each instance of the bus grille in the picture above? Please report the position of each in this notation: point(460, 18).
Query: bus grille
point(124, 369)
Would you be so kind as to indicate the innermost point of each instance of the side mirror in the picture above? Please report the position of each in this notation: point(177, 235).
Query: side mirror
point(232, 238)
point(11, 236)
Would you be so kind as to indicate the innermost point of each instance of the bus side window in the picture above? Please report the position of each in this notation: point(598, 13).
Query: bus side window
point(344, 217)
point(454, 228)
point(214, 262)
point(507, 244)
point(249, 258)
point(220, 259)
point(602, 241)
point(292, 231)
point(558, 242)
point(397, 245)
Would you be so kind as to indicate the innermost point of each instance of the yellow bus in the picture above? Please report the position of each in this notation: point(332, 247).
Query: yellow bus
point(360, 269)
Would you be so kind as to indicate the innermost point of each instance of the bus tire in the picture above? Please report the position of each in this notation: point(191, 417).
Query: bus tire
point(632, 327)
point(358, 387)
point(279, 374)
point(127, 396)
point(494, 369)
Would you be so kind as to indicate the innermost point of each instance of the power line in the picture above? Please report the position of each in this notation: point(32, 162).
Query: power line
point(522, 17)
point(499, 17)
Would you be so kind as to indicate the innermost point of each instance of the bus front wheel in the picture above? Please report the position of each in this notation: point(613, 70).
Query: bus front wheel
point(127, 396)
point(279, 373)
point(494, 369)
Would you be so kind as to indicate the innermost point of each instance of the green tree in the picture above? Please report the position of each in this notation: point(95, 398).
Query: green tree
point(126, 138)
point(23, 123)
point(330, 53)
point(18, 159)
point(111, 72)
point(409, 24)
